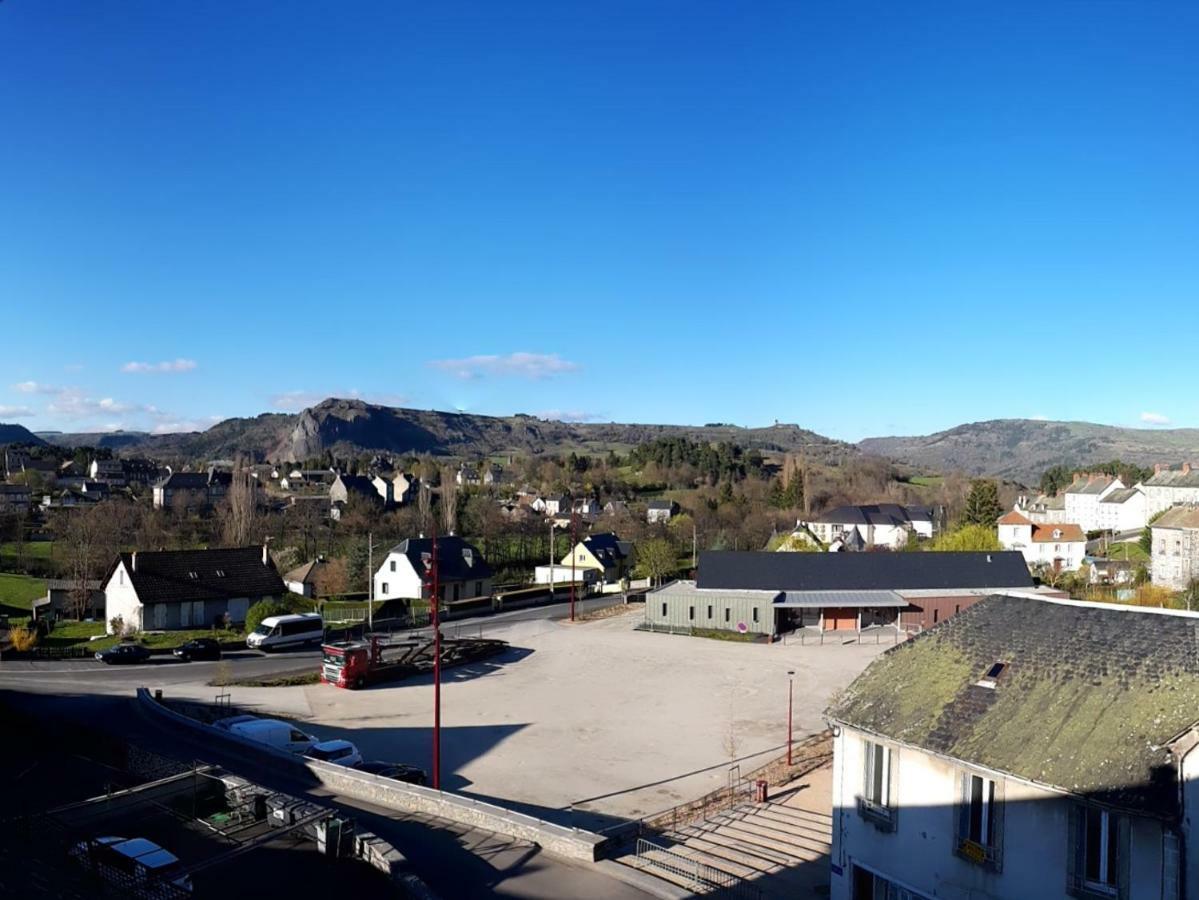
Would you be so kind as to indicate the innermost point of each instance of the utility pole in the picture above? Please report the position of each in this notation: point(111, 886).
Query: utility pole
point(790, 704)
point(574, 542)
point(370, 581)
point(552, 562)
point(694, 543)
point(434, 604)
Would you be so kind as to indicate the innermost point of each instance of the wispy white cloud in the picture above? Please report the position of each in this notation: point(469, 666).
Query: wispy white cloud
point(1152, 418)
point(36, 387)
point(520, 365)
point(15, 412)
point(295, 401)
point(571, 415)
point(159, 368)
point(1040, 417)
point(172, 427)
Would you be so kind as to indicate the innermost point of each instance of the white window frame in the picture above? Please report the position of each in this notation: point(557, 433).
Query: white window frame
point(872, 751)
point(1111, 885)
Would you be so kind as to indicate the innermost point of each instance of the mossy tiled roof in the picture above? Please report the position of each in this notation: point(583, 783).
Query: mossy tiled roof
point(1088, 700)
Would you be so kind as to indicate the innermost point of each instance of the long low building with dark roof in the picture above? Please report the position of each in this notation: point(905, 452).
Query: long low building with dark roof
point(172, 589)
point(772, 593)
point(1027, 748)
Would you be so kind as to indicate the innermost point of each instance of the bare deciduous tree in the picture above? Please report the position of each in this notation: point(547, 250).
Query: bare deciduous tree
point(89, 543)
point(449, 501)
point(424, 507)
point(242, 508)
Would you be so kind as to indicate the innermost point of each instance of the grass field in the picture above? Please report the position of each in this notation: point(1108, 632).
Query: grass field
point(32, 549)
point(69, 634)
point(17, 593)
point(1129, 551)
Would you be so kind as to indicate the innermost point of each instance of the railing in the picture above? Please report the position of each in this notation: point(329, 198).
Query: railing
point(697, 875)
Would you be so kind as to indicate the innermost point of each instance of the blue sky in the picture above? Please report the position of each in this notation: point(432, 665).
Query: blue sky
point(865, 218)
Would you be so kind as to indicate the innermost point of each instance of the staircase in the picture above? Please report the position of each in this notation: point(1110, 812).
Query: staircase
point(773, 849)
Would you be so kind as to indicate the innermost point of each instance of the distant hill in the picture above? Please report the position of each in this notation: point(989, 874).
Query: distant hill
point(18, 434)
point(1021, 449)
point(113, 440)
point(351, 426)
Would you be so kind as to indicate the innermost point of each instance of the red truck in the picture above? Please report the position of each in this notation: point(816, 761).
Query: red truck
point(355, 664)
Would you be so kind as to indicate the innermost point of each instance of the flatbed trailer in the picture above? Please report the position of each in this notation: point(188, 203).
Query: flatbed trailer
point(358, 664)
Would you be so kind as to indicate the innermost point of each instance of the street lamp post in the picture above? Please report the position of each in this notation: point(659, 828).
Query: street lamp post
point(434, 606)
point(552, 562)
point(790, 706)
point(574, 542)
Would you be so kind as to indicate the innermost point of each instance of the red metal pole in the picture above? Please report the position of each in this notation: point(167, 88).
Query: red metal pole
point(790, 693)
point(574, 542)
point(435, 601)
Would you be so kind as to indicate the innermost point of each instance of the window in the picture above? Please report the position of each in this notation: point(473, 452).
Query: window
point(664, 610)
point(386, 587)
point(393, 565)
point(478, 589)
point(1099, 851)
point(727, 614)
point(755, 614)
point(709, 612)
point(691, 613)
point(980, 819)
point(877, 788)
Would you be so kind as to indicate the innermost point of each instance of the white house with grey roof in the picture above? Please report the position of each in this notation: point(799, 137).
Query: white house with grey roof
point(875, 525)
point(463, 573)
point(1083, 497)
point(1171, 486)
point(1124, 509)
point(1025, 749)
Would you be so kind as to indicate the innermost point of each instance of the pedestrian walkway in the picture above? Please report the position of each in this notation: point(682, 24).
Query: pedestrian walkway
point(780, 848)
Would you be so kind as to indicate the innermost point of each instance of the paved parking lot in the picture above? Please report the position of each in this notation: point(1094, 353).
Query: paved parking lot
point(592, 710)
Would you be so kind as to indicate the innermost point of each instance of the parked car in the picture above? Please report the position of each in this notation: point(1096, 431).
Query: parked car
point(123, 653)
point(228, 722)
point(275, 733)
point(341, 753)
point(135, 865)
point(398, 771)
point(200, 648)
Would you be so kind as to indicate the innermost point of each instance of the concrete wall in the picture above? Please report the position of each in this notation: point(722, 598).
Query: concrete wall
point(920, 851)
point(570, 843)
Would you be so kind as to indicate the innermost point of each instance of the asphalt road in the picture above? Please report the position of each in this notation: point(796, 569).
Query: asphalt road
point(453, 861)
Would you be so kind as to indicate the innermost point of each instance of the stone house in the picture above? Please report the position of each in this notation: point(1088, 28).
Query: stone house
point(1175, 536)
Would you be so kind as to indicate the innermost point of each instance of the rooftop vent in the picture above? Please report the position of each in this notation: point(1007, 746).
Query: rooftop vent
point(993, 675)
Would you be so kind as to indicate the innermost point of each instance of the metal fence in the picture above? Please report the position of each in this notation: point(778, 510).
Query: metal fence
point(699, 876)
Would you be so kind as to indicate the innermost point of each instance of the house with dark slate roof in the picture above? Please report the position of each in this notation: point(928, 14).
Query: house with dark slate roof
point(1026, 748)
point(773, 593)
point(170, 589)
point(604, 553)
point(875, 525)
point(463, 573)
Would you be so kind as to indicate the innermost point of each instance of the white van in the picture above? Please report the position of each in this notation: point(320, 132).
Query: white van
point(279, 632)
point(274, 733)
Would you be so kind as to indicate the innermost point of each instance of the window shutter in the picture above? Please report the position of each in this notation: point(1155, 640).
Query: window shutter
point(1123, 852)
point(997, 808)
point(1074, 863)
point(962, 809)
point(893, 786)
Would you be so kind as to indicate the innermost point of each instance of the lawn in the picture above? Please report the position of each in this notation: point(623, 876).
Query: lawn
point(17, 593)
point(68, 634)
point(32, 549)
point(1132, 551)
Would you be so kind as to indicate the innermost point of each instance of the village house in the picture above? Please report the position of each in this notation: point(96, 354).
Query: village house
point(467, 476)
point(311, 579)
point(616, 508)
point(1169, 487)
point(878, 525)
point(554, 505)
point(404, 486)
point(493, 475)
point(345, 487)
point(1043, 508)
point(587, 509)
point(463, 573)
point(14, 498)
point(191, 491)
point(757, 592)
point(1175, 535)
point(68, 598)
point(660, 511)
point(1123, 510)
point(1083, 496)
point(1057, 547)
point(1023, 749)
point(605, 553)
point(173, 589)
point(383, 487)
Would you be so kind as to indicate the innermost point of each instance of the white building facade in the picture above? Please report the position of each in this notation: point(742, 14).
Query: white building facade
point(1083, 496)
point(1059, 547)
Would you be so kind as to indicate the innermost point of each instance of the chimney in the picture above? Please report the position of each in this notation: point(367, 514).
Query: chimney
point(266, 557)
point(1157, 468)
point(133, 562)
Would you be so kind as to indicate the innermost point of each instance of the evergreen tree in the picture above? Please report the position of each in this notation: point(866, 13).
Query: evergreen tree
point(982, 503)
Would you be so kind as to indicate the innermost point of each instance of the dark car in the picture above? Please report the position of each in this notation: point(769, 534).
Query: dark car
point(398, 771)
point(200, 648)
point(124, 653)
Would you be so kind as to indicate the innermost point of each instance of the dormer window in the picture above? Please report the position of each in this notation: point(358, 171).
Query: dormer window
point(1057, 534)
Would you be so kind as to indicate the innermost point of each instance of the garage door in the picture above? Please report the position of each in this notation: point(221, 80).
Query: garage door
point(838, 619)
